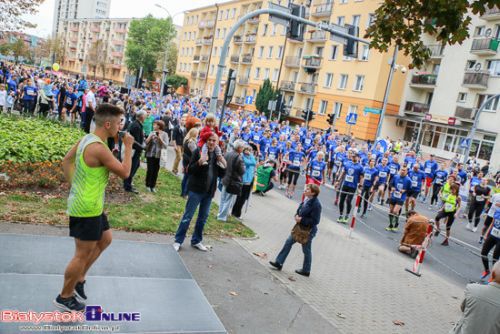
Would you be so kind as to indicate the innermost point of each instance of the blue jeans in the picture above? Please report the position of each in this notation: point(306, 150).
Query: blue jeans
point(306, 248)
point(184, 190)
point(204, 200)
point(226, 202)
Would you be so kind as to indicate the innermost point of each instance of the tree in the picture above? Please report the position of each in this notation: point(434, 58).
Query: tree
point(18, 49)
point(55, 48)
point(11, 12)
point(266, 93)
point(97, 57)
point(172, 58)
point(403, 22)
point(146, 43)
point(176, 81)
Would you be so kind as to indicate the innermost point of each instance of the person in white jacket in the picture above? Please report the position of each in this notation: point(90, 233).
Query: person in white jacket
point(3, 98)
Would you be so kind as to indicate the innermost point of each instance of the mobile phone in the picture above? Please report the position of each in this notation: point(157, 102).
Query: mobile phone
point(121, 134)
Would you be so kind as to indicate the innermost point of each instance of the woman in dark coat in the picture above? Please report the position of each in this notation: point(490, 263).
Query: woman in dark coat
point(308, 215)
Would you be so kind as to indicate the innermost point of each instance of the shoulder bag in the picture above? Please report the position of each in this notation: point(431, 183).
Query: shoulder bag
point(301, 233)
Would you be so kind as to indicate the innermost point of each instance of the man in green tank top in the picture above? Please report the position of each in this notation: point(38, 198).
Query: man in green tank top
point(86, 166)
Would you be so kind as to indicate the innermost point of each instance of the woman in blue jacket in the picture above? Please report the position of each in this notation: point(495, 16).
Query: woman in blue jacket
point(308, 215)
point(250, 162)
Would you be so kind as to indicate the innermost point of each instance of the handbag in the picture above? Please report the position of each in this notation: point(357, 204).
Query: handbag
point(234, 187)
point(301, 233)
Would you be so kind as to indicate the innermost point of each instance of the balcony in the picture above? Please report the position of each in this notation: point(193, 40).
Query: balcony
point(251, 39)
point(476, 80)
point(436, 51)
point(424, 81)
point(308, 88)
point(465, 114)
point(416, 107)
point(237, 39)
point(246, 59)
point(207, 41)
point(243, 81)
point(292, 62)
point(239, 100)
point(312, 62)
point(206, 24)
point(194, 74)
point(117, 54)
point(288, 86)
point(196, 59)
point(75, 29)
point(199, 42)
point(204, 58)
point(93, 29)
point(202, 75)
point(118, 42)
point(484, 46)
point(491, 14)
point(116, 66)
point(120, 31)
point(322, 10)
point(318, 36)
point(253, 20)
point(235, 59)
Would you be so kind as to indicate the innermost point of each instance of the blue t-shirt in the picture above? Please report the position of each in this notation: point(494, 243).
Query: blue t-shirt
point(246, 136)
point(296, 158)
point(474, 182)
point(255, 137)
point(338, 161)
point(409, 161)
point(369, 175)
point(416, 179)
point(316, 170)
point(70, 99)
point(440, 177)
point(383, 173)
point(11, 86)
point(353, 172)
point(430, 168)
point(30, 93)
point(462, 176)
point(264, 144)
point(394, 168)
point(401, 185)
point(495, 229)
point(273, 152)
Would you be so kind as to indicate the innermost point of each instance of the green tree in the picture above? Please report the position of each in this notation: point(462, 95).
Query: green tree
point(55, 47)
point(172, 58)
point(12, 11)
point(266, 93)
point(146, 43)
point(176, 81)
point(97, 57)
point(19, 50)
point(403, 22)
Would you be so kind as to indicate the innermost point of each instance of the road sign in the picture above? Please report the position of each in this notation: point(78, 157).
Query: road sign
point(372, 111)
point(465, 142)
point(272, 105)
point(452, 120)
point(351, 118)
point(428, 117)
point(129, 80)
point(279, 20)
point(249, 99)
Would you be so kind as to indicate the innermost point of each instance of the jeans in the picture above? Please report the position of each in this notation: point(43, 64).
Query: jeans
point(89, 115)
point(226, 202)
point(136, 162)
point(184, 183)
point(152, 171)
point(204, 200)
point(306, 248)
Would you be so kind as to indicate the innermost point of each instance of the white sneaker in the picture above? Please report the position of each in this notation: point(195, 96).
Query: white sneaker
point(176, 246)
point(201, 247)
point(474, 229)
point(469, 226)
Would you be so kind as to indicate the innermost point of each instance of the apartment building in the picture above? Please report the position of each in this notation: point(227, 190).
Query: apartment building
point(80, 37)
point(78, 9)
point(450, 88)
point(312, 74)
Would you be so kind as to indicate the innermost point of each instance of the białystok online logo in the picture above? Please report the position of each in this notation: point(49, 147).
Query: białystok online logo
point(92, 313)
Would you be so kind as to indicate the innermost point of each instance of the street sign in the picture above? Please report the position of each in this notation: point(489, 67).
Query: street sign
point(465, 142)
point(129, 80)
point(351, 118)
point(272, 105)
point(249, 99)
point(279, 20)
point(335, 27)
point(452, 120)
point(372, 111)
point(428, 117)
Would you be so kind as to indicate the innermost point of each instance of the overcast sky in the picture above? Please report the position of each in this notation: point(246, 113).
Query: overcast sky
point(122, 9)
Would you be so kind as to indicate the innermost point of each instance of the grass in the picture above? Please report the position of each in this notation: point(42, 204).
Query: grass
point(146, 212)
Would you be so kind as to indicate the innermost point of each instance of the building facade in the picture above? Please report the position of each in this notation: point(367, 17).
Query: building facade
point(78, 9)
point(312, 74)
point(450, 88)
point(95, 47)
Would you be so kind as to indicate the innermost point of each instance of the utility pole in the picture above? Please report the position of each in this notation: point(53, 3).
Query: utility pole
point(387, 92)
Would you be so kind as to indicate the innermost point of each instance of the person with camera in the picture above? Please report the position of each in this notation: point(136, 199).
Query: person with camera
point(136, 130)
point(86, 166)
point(155, 143)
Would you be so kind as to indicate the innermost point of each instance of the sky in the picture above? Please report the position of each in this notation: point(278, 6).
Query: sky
point(121, 9)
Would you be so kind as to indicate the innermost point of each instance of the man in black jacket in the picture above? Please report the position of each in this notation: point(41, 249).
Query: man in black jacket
point(136, 130)
point(202, 184)
point(178, 139)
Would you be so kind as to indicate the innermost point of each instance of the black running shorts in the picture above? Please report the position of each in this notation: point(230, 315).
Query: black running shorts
point(88, 228)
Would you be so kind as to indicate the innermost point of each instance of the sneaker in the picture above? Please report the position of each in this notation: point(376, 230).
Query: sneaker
point(200, 246)
point(69, 304)
point(370, 208)
point(153, 190)
point(176, 246)
point(276, 265)
point(395, 229)
point(345, 220)
point(363, 215)
point(341, 220)
point(80, 292)
point(485, 274)
point(474, 229)
point(436, 232)
point(469, 226)
point(481, 238)
point(445, 242)
point(389, 228)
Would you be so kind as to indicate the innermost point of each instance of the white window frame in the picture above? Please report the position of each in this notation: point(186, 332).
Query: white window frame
point(342, 82)
point(462, 97)
point(257, 73)
point(328, 80)
point(280, 52)
point(333, 55)
point(266, 73)
point(365, 53)
point(261, 52)
point(323, 107)
point(337, 109)
point(276, 73)
point(359, 83)
point(270, 52)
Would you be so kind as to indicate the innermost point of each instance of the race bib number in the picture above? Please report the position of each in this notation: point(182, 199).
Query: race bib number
point(307, 141)
point(349, 178)
point(495, 232)
point(393, 171)
point(256, 138)
point(414, 184)
point(368, 177)
point(296, 162)
point(30, 92)
point(448, 207)
point(479, 198)
point(316, 173)
point(69, 100)
point(427, 170)
point(397, 194)
point(382, 174)
point(272, 156)
point(439, 181)
point(338, 163)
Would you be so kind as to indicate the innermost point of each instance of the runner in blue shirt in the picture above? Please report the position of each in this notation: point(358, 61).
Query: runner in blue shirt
point(394, 168)
point(400, 185)
point(461, 174)
point(29, 95)
point(317, 168)
point(296, 158)
point(440, 177)
point(246, 135)
point(264, 143)
point(430, 168)
point(417, 177)
point(383, 177)
point(284, 162)
point(69, 103)
point(273, 151)
point(353, 177)
point(370, 178)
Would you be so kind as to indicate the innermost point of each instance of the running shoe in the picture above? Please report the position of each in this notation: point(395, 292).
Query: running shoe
point(363, 215)
point(69, 304)
point(80, 292)
point(346, 219)
point(389, 228)
point(474, 229)
point(485, 274)
point(481, 238)
point(436, 232)
point(370, 208)
point(469, 226)
point(340, 220)
point(395, 229)
point(445, 242)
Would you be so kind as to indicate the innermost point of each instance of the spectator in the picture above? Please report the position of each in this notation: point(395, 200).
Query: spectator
point(155, 143)
point(308, 216)
point(414, 233)
point(91, 105)
point(3, 98)
point(486, 168)
point(481, 307)
point(45, 100)
point(202, 182)
point(178, 139)
point(137, 132)
point(265, 174)
point(250, 162)
point(167, 119)
point(232, 181)
point(189, 145)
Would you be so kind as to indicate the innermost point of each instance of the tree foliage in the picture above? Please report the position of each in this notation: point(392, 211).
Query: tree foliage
point(266, 93)
point(146, 44)
point(171, 58)
point(11, 12)
point(97, 56)
point(403, 22)
point(176, 81)
point(19, 50)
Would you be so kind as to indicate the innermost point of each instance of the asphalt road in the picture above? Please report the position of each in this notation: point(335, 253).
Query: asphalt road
point(460, 262)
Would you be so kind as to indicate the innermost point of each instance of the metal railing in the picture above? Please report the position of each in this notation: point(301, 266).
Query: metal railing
point(308, 87)
point(478, 79)
point(246, 59)
point(324, 9)
point(287, 85)
point(464, 113)
point(237, 39)
point(417, 107)
point(313, 62)
point(424, 79)
point(243, 80)
point(436, 50)
point(485, 44)
point(235, 59)
point(196, 58)
point(250, 39)
point(204, 58)
point(202, 75)
point(317, 36)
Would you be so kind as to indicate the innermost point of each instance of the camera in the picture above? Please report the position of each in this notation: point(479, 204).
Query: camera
point(121, 134)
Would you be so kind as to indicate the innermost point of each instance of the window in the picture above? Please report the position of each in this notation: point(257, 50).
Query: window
point(212, 67)
point(215, 51)
point(364, 53)
point(275, 74)
point(371, 19)
point(341, 20)
point(359, 84)
point(217, 33)
point(224, 33)
point(343, 81)
point(233, 13)
point(254, 94)
point(274, 29)
point(490, 106)
point(355, 20)
point(295, 76)
point(337, 109)
point(462, 97)
point(227, 14)
point(257, 73)
point(328, 80)
point(280, 52)
point(264, 30)
point(266, 73)
point(353, 109)
point(343, 1)
point(261, 51)
point(471, 64)
point(483, 148)
point(333, 52)
point(220, 15)
point(270, 53)
point(494, 67)
point(479, 31)
point(323, 106)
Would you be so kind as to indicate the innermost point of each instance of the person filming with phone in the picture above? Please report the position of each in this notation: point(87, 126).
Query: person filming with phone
point(155, 143)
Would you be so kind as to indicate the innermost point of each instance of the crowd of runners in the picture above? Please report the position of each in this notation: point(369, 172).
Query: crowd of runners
point(385, 173)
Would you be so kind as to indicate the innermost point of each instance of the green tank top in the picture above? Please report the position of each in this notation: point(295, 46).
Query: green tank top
point(450, 203)
point(86, 197)
point(263, 177)
point(446, 191)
